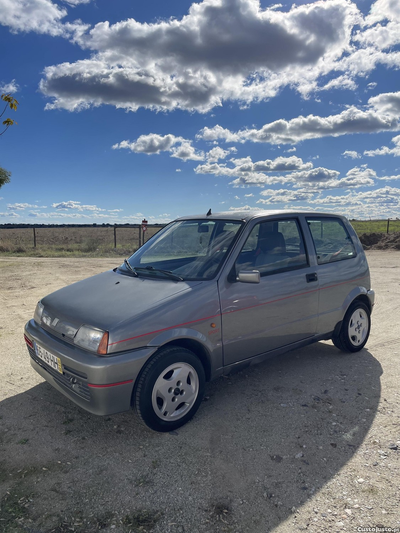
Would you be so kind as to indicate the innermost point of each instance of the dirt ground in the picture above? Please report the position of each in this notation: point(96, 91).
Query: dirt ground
point(307, 442)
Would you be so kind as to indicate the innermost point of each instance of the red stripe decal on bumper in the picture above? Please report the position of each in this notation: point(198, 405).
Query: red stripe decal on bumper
point(109, 384)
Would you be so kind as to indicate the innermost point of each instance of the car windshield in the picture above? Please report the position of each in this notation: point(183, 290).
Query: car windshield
point(189, 249)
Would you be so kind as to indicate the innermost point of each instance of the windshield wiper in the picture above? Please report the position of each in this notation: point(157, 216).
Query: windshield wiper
point(166, 272)
point(129, 267)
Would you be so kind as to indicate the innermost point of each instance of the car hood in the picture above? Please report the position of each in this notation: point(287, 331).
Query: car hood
point(106, 300)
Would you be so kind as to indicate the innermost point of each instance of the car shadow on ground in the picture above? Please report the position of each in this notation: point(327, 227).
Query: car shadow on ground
point(263, 443)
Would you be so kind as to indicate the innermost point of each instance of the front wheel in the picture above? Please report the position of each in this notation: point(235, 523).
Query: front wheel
point(354, 332)
point(170, 389)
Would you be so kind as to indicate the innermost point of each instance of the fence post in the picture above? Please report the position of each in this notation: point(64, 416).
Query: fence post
point(115, 235)
point(387, 229)
point(34, 237)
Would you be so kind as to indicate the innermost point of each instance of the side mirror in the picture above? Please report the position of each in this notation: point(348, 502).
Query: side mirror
point(249, 276)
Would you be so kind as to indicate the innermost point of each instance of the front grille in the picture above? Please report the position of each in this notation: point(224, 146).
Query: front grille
point(73, 382)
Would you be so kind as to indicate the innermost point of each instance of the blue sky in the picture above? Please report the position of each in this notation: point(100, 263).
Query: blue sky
point(161, 109)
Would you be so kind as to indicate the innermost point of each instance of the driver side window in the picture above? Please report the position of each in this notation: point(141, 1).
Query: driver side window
point(273, 246)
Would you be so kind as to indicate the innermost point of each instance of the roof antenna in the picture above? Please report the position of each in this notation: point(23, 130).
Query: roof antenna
point(208, 213)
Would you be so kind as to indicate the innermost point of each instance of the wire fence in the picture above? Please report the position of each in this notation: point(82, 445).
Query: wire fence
point(96, 240)
point(387, 226)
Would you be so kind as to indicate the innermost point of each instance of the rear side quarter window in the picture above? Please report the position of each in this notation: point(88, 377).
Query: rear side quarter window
point(332, 241)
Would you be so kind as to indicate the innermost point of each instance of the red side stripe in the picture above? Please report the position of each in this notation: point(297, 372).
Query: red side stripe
point(109, 384)
point(165, 329)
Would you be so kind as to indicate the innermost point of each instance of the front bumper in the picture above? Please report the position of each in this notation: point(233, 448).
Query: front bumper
point(101, 385)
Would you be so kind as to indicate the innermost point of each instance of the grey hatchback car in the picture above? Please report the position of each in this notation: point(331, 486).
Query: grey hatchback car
point(205, 296)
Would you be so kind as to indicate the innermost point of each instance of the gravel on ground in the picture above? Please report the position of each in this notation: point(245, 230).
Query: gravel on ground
point(309, 441)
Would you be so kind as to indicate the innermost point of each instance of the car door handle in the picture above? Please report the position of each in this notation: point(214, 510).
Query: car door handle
point(311, 277)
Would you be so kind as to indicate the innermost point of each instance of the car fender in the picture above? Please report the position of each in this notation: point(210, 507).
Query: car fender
point(353, 294)
point(210, 345)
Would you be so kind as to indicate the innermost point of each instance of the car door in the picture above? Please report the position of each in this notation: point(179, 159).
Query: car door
point(283, 307)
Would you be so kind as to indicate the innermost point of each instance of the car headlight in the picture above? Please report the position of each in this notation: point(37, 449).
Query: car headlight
point(37, 316)
point(93, 339)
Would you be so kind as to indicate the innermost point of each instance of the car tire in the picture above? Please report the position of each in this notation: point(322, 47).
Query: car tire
point(170, 389)
point(354, 332)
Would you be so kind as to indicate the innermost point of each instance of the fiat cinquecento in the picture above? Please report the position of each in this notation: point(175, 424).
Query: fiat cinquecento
point(207, 295)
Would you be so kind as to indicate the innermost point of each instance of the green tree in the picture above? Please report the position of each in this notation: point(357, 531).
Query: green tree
point(4, 176)
point(12, 103)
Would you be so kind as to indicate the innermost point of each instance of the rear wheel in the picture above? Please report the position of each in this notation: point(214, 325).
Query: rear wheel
point(354, 332)
point(170, 389)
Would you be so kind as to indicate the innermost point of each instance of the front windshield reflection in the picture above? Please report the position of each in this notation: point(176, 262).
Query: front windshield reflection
point(190, 249)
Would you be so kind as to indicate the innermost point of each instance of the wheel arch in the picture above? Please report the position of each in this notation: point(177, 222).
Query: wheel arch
point(364, 299)
point(190, 344)
point(356, 295)
point(359, 294)
point(197, 348)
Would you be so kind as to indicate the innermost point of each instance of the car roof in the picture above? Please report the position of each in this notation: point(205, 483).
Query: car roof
point(249, 214)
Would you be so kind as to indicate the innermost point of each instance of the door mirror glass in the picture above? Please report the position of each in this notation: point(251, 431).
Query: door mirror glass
point(249, 276)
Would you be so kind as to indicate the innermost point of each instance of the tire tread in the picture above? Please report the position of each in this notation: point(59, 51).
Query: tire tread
point(163, 353)
point(341, 340)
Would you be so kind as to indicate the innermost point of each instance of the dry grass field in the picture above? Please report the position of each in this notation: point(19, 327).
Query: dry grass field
point(375, 226)
point(71, 241)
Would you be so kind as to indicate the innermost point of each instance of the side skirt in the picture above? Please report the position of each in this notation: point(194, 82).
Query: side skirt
point(260, 358)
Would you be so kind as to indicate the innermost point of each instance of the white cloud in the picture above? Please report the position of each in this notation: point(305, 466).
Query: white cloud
point(384, 9)
point(386, 104)
point(314, 179)
point(20, 206)
point(352, 154)
point(382, 114)
point(324, 179)
point(247, 168)
point(341, 82)
point(387, 197)
point(74, 3)
point(9, 88)
point(154, 144)
point(216, 133)
point(71, 204)
point(221, 50)
point(217, 153)
point(390, 178)
point(297, 174)
point(10, 214)
point(273, 196)
point(150, 144)
point(355, 178)
point(186, 151)
point(241, 208)
point(385, 150)
point(39, 16)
